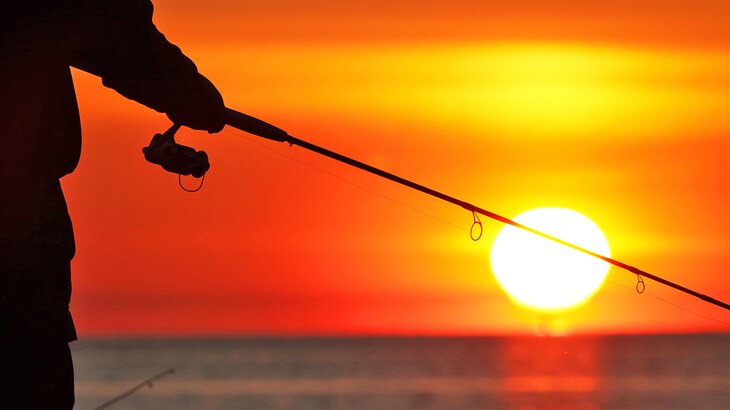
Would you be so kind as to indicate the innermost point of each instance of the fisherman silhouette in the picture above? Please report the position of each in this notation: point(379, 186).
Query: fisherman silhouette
point(40, 134)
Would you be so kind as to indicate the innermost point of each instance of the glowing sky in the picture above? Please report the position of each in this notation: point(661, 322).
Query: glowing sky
point(616, 109)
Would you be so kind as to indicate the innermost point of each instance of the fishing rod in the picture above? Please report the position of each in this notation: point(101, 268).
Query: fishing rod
point(187, 161)
point(147, 383)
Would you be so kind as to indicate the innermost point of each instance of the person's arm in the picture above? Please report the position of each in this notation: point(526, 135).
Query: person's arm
point(117, 41)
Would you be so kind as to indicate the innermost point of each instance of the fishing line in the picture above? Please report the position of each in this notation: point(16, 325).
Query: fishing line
point(722, 322)
point(196, 189)
point(255, 126)
point(343, 179)
point(191, 190)
point(475, 231)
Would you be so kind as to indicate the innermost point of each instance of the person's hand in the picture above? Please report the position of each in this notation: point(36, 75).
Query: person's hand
point(204, 110)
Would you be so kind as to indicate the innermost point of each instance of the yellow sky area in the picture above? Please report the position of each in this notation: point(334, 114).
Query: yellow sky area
point(509, 90)
point(522, 91)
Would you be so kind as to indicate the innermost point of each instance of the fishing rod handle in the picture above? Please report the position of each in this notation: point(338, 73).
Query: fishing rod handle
point(254, 126)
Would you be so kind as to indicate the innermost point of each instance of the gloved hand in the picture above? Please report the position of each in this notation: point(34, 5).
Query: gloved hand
point(203, 109)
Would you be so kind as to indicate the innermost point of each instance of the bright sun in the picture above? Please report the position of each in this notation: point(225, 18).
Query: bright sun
point(544, 275)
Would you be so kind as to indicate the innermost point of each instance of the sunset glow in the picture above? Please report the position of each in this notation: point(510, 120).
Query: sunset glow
point(618, 110)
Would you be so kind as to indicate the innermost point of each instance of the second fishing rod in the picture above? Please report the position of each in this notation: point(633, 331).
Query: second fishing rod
point(187, 161)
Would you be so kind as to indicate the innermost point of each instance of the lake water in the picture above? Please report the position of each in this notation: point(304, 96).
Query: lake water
point(597, 372)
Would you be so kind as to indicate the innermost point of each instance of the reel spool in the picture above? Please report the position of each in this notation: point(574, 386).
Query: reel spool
point(174, 157)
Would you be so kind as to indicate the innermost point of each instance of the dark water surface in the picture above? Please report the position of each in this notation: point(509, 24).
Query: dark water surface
point(614, 372)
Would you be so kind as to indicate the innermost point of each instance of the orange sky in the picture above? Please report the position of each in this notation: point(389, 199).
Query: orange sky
point(618, 110)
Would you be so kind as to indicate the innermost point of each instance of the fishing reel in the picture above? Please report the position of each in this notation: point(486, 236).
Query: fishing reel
point(176, 158)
